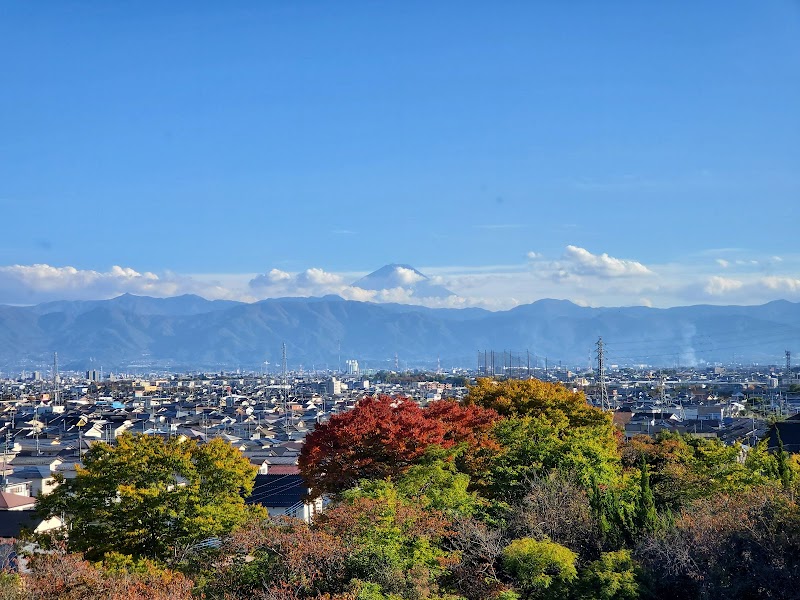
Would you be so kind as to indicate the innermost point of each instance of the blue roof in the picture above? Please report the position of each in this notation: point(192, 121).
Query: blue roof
point(277, 490)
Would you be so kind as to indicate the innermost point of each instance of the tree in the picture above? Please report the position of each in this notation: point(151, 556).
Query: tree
point(379, 438)
point(727, 546)
point(541, 569)
point(436, 484)
point(547, 427)
point(685, 468)
point(557, 509)
point(147, 497)
point(463, 423)
point(392, 542)
point(784, 469)
point(479, 549)
point(282, 556)
point(534, 398)
point(645, 516)
point(612, 577)
point(69, 577)
point(530, 447)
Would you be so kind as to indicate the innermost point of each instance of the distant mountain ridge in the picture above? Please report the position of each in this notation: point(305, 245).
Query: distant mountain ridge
point(189, 332)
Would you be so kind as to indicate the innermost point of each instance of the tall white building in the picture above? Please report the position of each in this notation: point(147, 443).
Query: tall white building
point(352, 367)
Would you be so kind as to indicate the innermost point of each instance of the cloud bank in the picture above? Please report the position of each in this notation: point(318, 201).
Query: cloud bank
point(577, 274)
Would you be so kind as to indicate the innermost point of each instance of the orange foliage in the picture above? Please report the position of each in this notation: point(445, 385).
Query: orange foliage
point(69, 577)
point(533, 397)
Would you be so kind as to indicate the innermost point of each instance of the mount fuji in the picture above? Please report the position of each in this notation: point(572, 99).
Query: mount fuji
point(403, 276)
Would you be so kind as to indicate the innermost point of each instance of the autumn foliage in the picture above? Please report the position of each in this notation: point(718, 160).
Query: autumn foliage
point(521, 491)
point(70, 577)
point(535, 398)
point(462, 423)
point(383, 436)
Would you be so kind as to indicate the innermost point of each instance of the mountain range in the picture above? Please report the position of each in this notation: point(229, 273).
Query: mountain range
point(189, 332)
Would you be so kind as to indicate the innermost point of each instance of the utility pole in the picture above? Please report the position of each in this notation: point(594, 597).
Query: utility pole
point(601, 375)
point(55, 378)
point(5, 458)
point(285, 388)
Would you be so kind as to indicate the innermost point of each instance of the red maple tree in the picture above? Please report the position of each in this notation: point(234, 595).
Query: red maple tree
point(378, 438)
point(383, 436)
point(461, 423)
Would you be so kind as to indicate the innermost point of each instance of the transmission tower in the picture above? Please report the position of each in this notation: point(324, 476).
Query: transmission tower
point(601, 375)
point(788, 362)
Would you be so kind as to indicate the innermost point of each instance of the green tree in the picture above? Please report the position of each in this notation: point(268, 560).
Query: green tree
point(541, 569)
point(393, 542)
point(645, 517)
point(785, 473)
point(685, 468)
point(147, 497)
point(528, 447)
point(612, 577)
point(436, 484)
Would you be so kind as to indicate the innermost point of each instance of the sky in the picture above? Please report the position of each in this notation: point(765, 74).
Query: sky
point(610, 153)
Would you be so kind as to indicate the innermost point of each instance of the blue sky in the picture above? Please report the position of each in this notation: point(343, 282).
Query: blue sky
point(196, 145)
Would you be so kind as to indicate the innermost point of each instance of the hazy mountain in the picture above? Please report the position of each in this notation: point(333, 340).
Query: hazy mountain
point(187, 304)
point(190, 332)
point(403, 276)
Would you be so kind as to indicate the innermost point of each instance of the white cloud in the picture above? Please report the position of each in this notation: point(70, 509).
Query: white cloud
point(276, 275)
point(717, 286)
point(723, 263)
point(318, 278)
point(473, 289)
point(533, 255)
point(311, 282)
point(407, 276)
point(29, 284)
point(782, 284)
point(581, 261)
